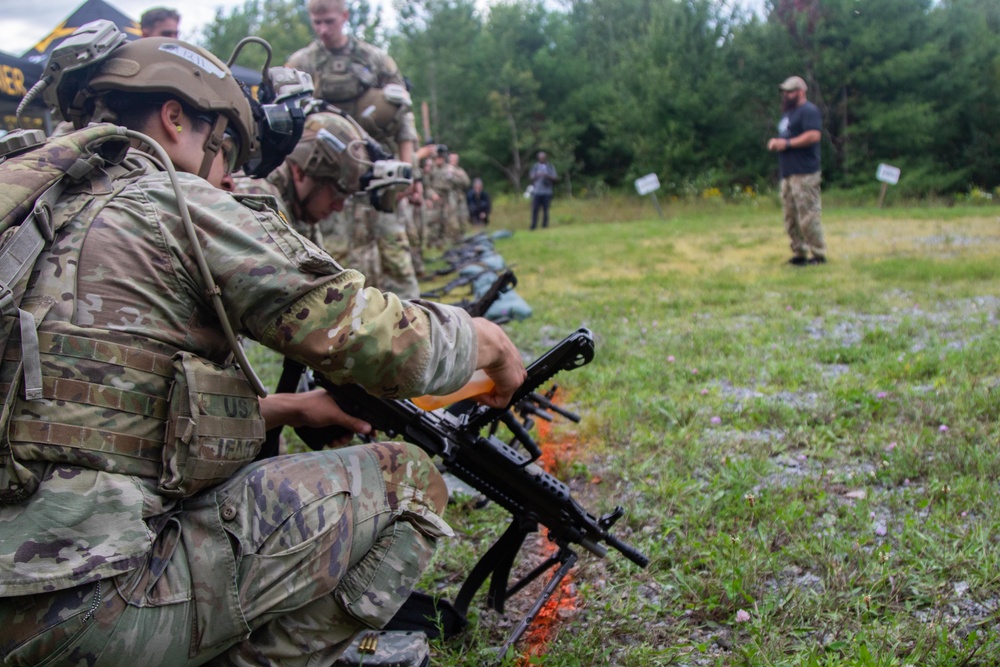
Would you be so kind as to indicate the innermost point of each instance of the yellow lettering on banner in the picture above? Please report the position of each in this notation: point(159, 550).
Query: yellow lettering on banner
point(11, 80)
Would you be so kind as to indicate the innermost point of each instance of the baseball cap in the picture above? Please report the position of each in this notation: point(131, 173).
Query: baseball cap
point(793, 83)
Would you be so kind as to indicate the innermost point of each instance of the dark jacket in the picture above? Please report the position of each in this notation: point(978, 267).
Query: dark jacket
point(478, 203)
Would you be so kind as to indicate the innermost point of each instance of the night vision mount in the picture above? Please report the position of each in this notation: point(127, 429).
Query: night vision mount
point(64, 73)
point(279, 122)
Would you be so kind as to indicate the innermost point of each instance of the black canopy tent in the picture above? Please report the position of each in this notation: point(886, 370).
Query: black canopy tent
point(90, 10)
point(17, 75)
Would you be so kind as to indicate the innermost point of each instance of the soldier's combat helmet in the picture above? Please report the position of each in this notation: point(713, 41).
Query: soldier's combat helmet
point(382, 111)
point(160, 65)
point(332, 148)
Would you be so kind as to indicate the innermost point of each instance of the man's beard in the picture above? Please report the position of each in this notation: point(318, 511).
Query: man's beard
point(789, 103)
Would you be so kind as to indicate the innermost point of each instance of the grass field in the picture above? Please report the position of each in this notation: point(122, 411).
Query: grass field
point(808, 455)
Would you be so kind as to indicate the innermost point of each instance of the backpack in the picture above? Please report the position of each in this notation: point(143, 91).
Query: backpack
point(34, 172)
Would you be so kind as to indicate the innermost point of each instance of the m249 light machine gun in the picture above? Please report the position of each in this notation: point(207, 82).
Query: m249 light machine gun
point(504, 474)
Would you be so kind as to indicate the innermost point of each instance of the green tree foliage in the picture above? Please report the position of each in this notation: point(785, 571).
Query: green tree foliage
point(614, 89)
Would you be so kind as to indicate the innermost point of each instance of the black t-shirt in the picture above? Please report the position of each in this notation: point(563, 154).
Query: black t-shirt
point(806, 160)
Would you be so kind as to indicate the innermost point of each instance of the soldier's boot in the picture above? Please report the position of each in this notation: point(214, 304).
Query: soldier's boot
point(387, 648)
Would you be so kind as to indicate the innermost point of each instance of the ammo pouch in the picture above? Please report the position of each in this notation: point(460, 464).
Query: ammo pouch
point(214, 426)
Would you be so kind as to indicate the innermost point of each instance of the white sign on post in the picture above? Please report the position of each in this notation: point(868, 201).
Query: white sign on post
point(887, 174)
point(646, 184)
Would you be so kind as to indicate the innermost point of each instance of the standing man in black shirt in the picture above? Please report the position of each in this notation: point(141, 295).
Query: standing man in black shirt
point(797, 145)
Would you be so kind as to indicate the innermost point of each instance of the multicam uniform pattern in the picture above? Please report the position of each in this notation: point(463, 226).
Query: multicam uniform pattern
point(341, 76)
point(288, 558)
point(359, 237)
point(279, 185)
point(412, 218)
point(373, 243)
point(457, 211)
point(436, 182)
point(803, 213)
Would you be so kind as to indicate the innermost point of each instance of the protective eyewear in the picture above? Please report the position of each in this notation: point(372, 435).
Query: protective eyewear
point(230, 147)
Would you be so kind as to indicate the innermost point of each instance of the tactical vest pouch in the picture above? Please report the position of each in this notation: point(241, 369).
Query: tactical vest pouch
point(214, 426)
point(343, 80)
point(17, 481)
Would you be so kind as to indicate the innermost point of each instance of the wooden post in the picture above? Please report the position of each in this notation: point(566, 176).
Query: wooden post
point(656, 204)
point(881, 196)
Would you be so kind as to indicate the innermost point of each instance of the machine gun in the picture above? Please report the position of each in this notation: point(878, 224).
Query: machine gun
point(503, 474)
point(477, 308)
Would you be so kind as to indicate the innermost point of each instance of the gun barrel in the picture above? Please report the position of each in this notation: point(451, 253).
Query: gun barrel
point(549, 405)
point(627, 550)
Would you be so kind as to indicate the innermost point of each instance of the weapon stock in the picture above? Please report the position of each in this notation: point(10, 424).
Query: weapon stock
point(505, 281)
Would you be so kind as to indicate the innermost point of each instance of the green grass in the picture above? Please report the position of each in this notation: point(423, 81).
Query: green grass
point(816, 447)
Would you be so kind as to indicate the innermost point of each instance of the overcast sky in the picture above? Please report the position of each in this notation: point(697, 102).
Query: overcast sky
point(24, 23)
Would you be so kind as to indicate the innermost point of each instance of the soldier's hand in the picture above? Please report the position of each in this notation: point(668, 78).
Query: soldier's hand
point(498, 356)
point(314, 408)
point(414, 193)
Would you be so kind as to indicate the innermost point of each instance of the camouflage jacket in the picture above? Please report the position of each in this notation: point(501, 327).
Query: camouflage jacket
point(278, 185)
point(135, 287)
point(341, 76)
point(460, 183)
point(446, 178)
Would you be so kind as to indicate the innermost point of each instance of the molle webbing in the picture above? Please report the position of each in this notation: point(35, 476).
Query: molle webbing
point(115, 424)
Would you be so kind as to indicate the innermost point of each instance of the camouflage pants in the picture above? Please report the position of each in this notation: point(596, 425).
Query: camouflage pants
point(800, 195)
point(281, 566)
point(412, 220)
point(436, 236)
point(455, 215)
point(374, 243)
point(397, 273)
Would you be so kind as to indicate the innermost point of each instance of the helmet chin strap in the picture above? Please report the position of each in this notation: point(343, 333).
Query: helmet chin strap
point(213, 144)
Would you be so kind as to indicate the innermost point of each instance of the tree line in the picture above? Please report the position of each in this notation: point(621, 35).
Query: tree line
point(687, 89)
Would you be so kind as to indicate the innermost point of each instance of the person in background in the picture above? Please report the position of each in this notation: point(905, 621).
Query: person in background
point(436, 187)
point(542, 177)
point(798, 147)
point(160, 22)
point(458, 185)
point(479, 204)
point(360, 78)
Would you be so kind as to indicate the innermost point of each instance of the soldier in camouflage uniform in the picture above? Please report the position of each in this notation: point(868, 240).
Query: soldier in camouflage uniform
point(436, 195)
point(133, 522)
point(457, 209)
point(318, 176)
point(358, 78)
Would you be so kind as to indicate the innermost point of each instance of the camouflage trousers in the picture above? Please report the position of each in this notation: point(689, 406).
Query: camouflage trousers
point(436, 233)
point(412, 219)
point(800, 195)
point(282, 565)
point(374, 243)
point(455, 215)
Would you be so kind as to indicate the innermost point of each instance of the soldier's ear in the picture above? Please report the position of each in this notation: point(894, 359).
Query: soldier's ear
point(170, 120)
point(298, 176)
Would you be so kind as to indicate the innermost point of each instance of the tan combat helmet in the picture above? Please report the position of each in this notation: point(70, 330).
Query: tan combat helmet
point(332, 148)
point(381, 111)
point(160, 65)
